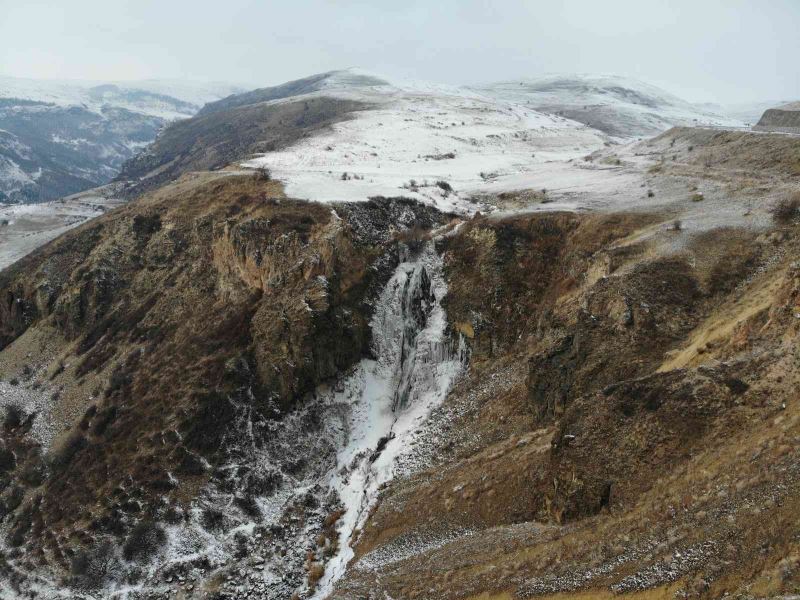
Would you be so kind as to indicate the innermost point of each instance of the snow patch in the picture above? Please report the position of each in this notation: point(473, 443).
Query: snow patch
point(417, 135)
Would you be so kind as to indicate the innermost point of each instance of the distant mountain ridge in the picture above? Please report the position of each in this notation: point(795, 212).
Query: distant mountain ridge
point(297, 87)
point(59, 138)
point(619, 106)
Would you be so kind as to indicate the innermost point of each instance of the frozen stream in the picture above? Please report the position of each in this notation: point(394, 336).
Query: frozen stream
point(390, 397)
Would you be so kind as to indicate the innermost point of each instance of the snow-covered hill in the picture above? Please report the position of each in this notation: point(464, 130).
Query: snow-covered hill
point(158, 98)
point(61, 137)
point(436, 143)
point(620, 106)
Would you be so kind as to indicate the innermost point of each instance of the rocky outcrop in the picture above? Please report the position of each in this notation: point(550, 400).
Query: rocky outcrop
point(783, 119)
point(714, 152)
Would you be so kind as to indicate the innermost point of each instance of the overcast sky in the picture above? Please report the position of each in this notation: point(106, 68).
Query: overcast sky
point(704, 50)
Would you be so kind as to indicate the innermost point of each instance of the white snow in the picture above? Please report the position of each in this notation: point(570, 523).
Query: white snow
point(411, 133)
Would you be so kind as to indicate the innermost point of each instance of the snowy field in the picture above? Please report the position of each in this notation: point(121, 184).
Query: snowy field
point(420, 135)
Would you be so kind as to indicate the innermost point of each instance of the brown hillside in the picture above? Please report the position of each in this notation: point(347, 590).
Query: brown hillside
point(595, 447)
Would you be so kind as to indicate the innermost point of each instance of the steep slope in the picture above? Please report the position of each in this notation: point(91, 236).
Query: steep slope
point(217, 139)
point(59, 138)
point(619, 106)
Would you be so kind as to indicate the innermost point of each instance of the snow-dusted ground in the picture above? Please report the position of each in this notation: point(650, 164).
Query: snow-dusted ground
point(419, 134)
point(25, 227)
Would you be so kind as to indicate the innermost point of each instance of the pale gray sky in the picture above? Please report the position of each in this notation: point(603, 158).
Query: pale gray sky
point(703, 50)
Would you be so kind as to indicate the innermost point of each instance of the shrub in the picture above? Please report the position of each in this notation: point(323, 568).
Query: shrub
point(248, 505)
point(263, 174)
point(143, 541)
point(62, 456)
point(315, 573)
point(786, 210)
point(731, 269)
point(677, 225)
point(7, 460)
point(104, 418)
point(212, 519)
point(14, 417)
point(445, 186)
point(89, 568)
point(32, 473)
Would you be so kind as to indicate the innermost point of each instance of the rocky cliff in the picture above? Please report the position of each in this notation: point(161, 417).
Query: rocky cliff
point(628, 422)
point(785, 119)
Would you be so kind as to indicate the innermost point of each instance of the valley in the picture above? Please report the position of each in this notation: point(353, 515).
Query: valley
point(352, 337)
point(59, 138)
